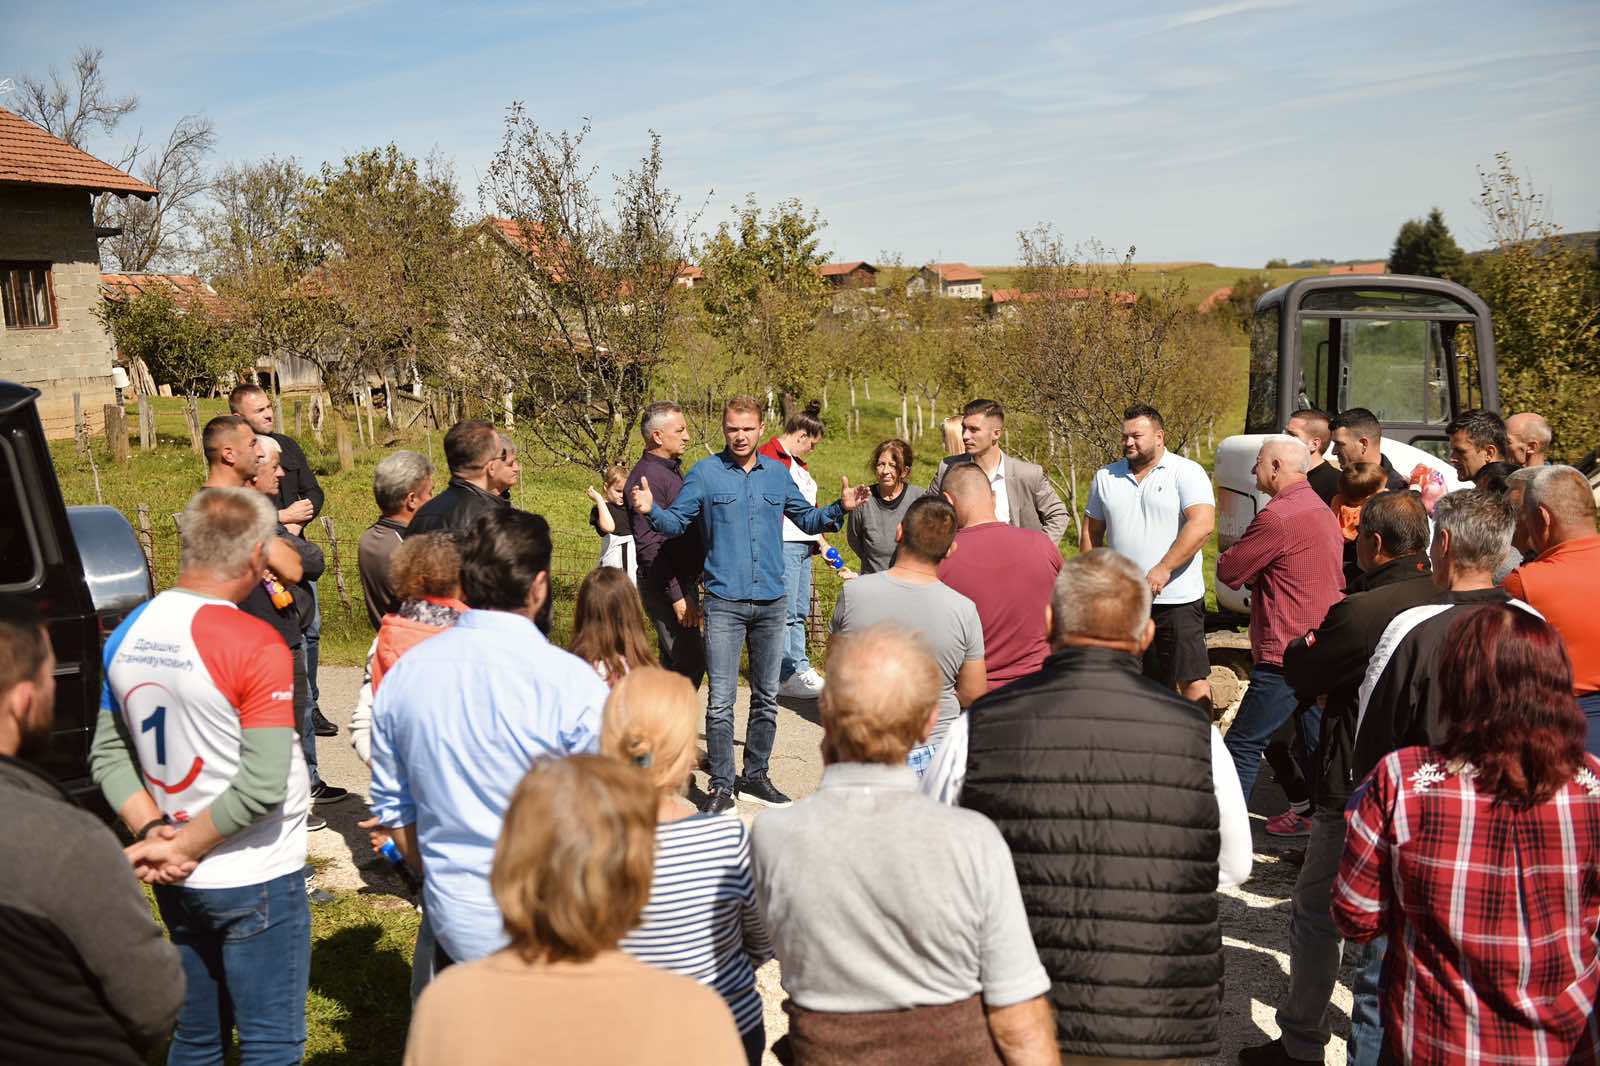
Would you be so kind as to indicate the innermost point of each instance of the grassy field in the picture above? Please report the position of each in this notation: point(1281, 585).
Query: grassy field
point(1202, 278)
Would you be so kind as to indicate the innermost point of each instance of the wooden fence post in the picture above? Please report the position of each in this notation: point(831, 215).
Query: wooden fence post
point(79, 435)
point(372, 436)
point(116, 432)
point(317, 417)
point(146, 540)
point(298, 411)
point(333, 557)
point(341, 435)
point(147, 423)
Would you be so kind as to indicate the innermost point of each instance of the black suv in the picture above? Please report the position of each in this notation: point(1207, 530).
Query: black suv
point(80, 567)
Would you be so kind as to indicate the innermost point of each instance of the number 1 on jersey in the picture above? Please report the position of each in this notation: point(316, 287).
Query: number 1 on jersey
point(158, 722)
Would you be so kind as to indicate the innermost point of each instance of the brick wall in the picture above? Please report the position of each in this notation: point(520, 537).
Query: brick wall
point(57, 227)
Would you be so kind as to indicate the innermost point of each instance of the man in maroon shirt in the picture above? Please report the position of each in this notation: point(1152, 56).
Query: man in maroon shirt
point(1006, 571)
point(1292, 558)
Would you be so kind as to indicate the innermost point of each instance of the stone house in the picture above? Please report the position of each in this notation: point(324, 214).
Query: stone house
point(856, 275)
point(947, 279)
point(50, 272)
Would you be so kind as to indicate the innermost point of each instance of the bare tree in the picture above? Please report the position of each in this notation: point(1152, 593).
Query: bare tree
point(576, 305)
point(1083, 347)
point(71, 107)
point(75, 105)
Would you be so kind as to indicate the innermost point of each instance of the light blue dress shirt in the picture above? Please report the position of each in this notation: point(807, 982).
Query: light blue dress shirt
point(741, 521)
point(458, 722)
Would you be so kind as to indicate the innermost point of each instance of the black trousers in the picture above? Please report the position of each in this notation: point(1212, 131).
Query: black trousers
point(683, 648)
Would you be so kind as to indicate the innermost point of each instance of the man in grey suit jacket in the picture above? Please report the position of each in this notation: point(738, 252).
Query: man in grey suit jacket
point(1023, 495)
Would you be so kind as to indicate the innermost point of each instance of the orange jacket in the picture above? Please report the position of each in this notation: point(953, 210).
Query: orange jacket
point(398, 635)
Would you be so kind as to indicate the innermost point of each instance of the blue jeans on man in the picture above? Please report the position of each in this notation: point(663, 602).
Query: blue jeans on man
point(732, 626)
point(314, 651)
point(1267, 704)
point(797, 595)
point(1366, 1021)
point(1589, 703)
point(305, 713)
point(246, 955)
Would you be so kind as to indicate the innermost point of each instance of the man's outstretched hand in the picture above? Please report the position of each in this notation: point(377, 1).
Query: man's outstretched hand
point(641, 499)
point(851, 498)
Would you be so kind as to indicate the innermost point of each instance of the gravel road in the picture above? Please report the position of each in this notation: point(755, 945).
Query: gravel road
point(1254, 917)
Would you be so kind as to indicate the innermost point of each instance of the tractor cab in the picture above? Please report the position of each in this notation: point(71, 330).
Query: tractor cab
point(1416, 352)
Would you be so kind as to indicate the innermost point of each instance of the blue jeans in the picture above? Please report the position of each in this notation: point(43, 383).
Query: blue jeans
point(1590, 704)
point(303, 706)
point(1366, 1021)
point(731, 625)
point(422, 959)
point(246, 955)
point(314, 647)
point(1268, 703)
point(797, 593)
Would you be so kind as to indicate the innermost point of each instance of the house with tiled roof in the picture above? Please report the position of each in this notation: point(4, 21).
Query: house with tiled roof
point(854, 275)
point(50, 271)
point(1008, 302)
point(947, 279)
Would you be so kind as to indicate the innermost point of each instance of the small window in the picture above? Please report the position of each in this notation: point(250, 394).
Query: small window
point(1381, 300)
point(26, 293)
point(1261, 414)
point(19, 552)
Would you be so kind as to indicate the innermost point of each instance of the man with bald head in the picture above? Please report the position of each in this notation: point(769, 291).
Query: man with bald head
point(1563, 580)
point(1291, 557)
point(897, 921)
point(1104, 783)
point(1530, 437)
point(1005, 570)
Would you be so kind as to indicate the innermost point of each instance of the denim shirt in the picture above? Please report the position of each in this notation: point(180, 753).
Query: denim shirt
point(741, 521)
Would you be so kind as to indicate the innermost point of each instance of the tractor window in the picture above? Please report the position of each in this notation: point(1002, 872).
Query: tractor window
point(1316, 351)
point(1262, 414)
point(1397, 369)
point(19, 554)
point(1378, 301)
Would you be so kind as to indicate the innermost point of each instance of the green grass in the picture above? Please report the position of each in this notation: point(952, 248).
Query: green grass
point(1202, 279)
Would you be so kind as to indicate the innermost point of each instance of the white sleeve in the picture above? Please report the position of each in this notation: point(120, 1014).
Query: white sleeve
point(361, 717)
point(1233, 817)
point(948, 771)
point(1194, 486)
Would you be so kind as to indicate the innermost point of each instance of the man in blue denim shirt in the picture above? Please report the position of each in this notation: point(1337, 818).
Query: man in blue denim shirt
point(740, 500)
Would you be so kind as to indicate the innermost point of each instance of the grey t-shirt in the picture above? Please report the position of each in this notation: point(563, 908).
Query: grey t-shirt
point(879, 898)
point(947, 621)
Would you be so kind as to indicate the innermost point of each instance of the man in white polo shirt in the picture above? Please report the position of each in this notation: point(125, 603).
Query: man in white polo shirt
point(1157, 509)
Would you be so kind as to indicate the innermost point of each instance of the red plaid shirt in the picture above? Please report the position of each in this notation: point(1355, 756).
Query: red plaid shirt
point(1491, 912)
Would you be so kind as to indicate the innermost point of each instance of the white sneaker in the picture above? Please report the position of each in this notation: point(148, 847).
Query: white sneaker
point(805, 685)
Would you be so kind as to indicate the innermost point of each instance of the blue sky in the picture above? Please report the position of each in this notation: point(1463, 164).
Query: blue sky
point(1221, 130)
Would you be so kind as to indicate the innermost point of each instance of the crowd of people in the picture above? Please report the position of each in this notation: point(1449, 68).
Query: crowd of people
point(1026, 809)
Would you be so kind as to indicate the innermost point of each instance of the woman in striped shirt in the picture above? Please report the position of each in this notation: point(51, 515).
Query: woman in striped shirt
point(702, 919)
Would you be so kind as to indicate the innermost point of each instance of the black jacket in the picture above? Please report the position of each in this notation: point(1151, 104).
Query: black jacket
point(87, 975)
point(669, 567)
point(299, 480)
point(1401, 699)
point(1332, 660)
point(1101, 782)
point(453, 510)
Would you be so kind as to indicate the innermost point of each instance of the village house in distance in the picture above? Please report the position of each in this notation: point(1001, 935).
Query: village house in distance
point(947, 279)
point(50, 272)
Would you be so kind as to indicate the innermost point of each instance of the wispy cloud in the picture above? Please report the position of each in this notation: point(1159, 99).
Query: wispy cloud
point(1196, 16)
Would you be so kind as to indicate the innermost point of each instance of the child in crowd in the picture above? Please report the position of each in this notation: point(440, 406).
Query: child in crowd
point(610, 519)
point(1358, 483)
point(608, 625)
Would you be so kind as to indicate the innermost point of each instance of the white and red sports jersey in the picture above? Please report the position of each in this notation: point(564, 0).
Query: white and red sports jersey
point(189, 674)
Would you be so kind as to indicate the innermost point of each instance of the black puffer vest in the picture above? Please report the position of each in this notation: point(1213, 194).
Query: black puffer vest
point(1100, 781)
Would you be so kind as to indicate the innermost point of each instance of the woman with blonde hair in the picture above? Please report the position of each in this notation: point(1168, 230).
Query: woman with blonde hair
point(572, 871)
point(702, 920)
point(608, 625)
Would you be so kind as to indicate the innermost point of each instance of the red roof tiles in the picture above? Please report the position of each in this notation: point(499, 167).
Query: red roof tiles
point(954, 272)
point(833, 270)
point(1005, 296)
point(184, 289)
point(30, 156)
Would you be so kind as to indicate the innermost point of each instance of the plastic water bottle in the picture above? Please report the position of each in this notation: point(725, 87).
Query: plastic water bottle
point(401, 867)
point(833, 558)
